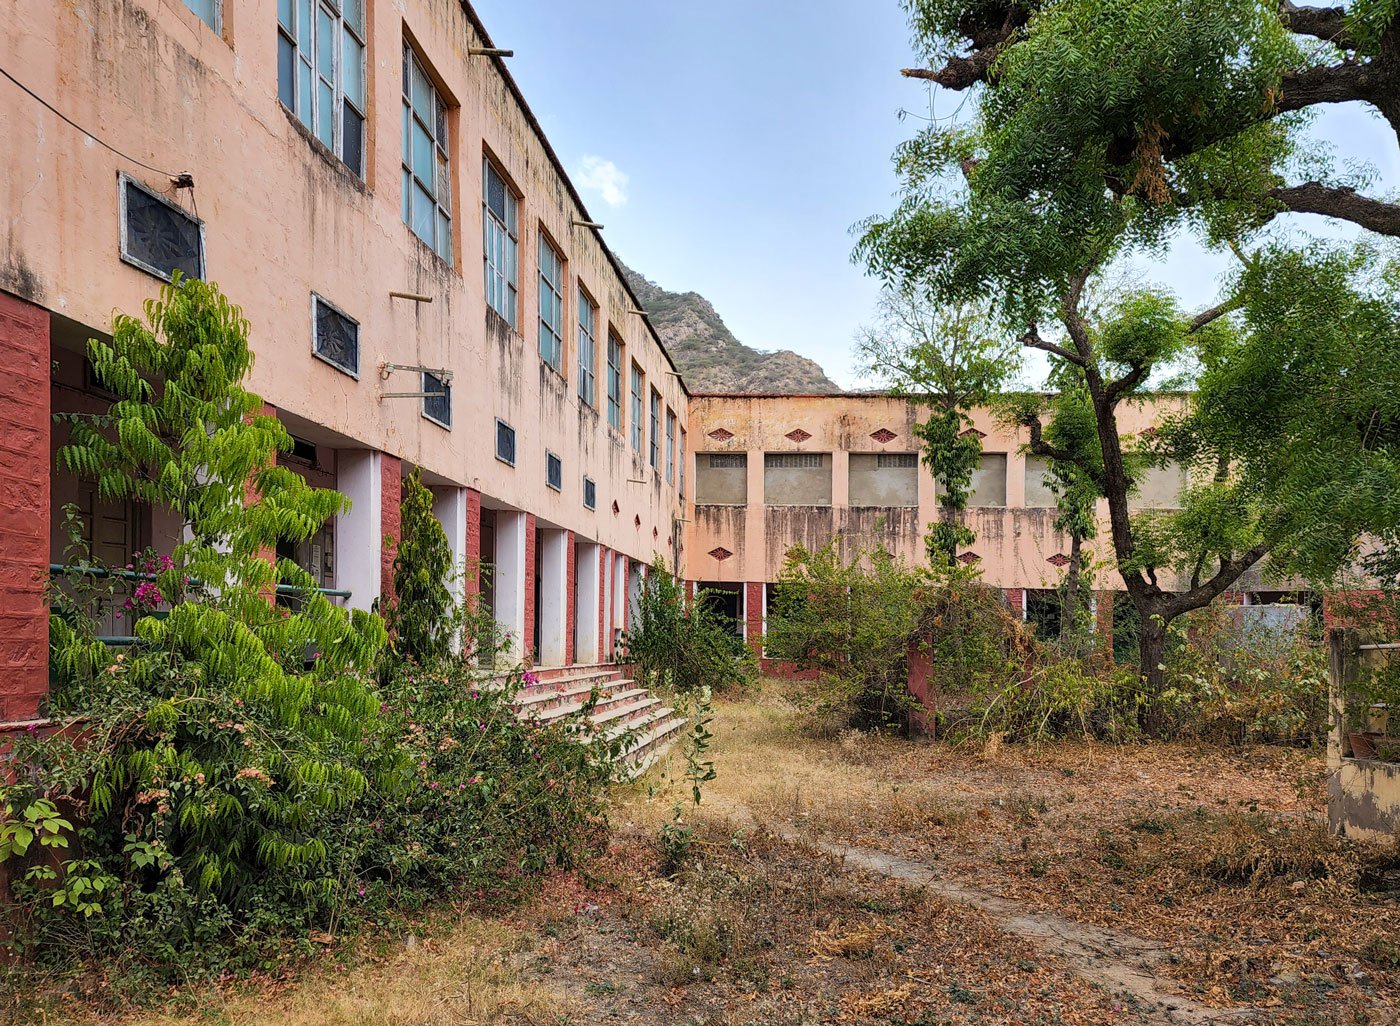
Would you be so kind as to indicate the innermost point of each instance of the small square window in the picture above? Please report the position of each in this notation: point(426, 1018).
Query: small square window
point(437, 399)
point(156, 235)
point(505, 442)
point(335, 336)
point(590, 493)
point(553, 471)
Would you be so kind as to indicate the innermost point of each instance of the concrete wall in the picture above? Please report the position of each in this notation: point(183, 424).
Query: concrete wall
point(797, 479)
point(894, 484)
point(721, 479)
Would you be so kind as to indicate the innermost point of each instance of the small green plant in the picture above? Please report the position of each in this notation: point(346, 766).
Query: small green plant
point(677, 838)
point(420, 616)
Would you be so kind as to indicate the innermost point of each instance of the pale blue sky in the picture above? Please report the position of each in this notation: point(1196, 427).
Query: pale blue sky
point(729, 146)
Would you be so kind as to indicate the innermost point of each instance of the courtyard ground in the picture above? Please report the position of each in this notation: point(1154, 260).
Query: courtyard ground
point(869, 880)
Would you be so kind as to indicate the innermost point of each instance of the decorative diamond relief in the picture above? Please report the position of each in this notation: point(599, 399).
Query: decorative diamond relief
point(637, 521)
point(655, 533)
point(1058, 559)
point(721, 435)
point(969, 557)
point(798, 435)
point(883, 436)
point(616, 508)
point(721, 553)
point(973, 431)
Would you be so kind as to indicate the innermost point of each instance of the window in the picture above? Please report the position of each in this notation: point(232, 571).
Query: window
point(788, 460)
point(505, 442)
point(721, 479)
point(587, 348)
point(437, 399)
point(427, 172)
point(682, 458)
point(670, 445)
point(321, 72)
point(590, 493)
point(553, 471)
point(797, 479)
point(335, 337)
point(637, 379)
point(210, 12)
point(614, 382)
point(897, 461)
point(156, 235)
point(729, 461)
point(655, 451)
point(884, 479)
point(502, 237)
point(551, 305)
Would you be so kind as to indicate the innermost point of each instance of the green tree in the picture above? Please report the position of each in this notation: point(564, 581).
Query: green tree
point(948, 358)
point(420, 615)
point(1102, 129)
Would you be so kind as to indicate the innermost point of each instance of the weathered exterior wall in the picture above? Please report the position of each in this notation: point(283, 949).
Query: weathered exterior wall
point(718, 484)
point(1011, 510)
point(806, 485)
point(877, 486)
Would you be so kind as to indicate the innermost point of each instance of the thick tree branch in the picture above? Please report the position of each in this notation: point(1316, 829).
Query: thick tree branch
point(1206, 316)
point(959, 73)
point(1327, 23)
point(1126, 383)
point(1228, 573)
point(1335, 83)
point(1040, 447)
point(1032, 340)
point(1340, 202)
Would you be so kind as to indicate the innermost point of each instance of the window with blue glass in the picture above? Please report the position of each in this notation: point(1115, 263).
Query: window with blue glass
point(321, 72)
point(670, 445)
point(553, 471)
point(427, 172)
point(211, 12)
point(587, 348)
point(499, 218)
point(614, 382)
point(551, 305)
point(590, 493)
point(655, 452)
point(638, 428)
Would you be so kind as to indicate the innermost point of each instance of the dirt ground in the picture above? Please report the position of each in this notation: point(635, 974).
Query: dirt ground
point(871, 880)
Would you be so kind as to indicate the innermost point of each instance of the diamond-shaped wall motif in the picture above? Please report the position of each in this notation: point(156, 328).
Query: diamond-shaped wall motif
point(721, 553)
point(798, 435)
point(616, 508)
point(883, 436)
point(969, 557)
point(637, 521)
point(1058, 559)
point(973, 431)
point(655, 533)
point(721, 435)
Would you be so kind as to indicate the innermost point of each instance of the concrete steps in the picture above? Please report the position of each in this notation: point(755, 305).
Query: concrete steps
point(620, 708)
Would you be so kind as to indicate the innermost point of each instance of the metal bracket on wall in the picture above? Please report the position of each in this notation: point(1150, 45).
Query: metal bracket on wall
point(441, 373)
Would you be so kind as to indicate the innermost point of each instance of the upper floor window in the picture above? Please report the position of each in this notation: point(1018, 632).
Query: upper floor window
point(637, 428)
point(501, 210)
point(655, 453)
point(211, 12)
point(321, 71)
point(670, 442)
point(427, 172)
point(335, 336)
point(551, 305)
point(587, 348)
point(614, 382)
point(681, 457)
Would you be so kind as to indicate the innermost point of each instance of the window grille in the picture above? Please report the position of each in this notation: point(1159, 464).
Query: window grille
point(590, 493)
point(792, 461)
point(896, 461)
point(505, 442)
point(437, 408)
point(553, 471)
point(728, 461)
point(337, 337)
point(157, 236)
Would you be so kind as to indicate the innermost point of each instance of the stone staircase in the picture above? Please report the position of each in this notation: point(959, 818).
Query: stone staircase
point(622, 707)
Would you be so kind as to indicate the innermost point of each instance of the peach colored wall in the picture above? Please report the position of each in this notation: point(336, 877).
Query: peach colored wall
point(284, 218)
point(1014, 542)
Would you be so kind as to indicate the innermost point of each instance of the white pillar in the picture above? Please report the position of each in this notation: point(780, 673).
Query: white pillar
point(586, 600)
point(554, 596)
point(358, 532)
point(619, 587)
point(508, 583)
point(450, 509)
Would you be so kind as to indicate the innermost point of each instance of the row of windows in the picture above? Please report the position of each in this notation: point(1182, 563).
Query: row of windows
point(553, 465)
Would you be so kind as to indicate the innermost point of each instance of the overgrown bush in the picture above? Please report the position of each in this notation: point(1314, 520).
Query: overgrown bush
point(420, 614)
point(684, 644)
point(1231, 681)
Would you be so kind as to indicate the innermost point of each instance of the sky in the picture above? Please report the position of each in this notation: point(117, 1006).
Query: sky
point(730, 146)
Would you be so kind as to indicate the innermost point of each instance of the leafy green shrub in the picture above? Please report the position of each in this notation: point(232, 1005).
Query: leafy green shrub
point(684, 644)
point(852, 620)
point(420, 615)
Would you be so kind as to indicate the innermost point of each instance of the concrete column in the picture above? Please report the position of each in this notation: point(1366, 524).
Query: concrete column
point(570, 596)
point(471, 555)
point(554, 597)
point(754, 601)
point(359, 532)
point(604, 605)
point(24, 516)
point(840, 479)
point(450, 509)
point(1016, 599)
point(754, 556)
point(527, 638)
point(509, 581)
point(1016, 473)
point(390, 517)
point(619, 599)
point(587, 603)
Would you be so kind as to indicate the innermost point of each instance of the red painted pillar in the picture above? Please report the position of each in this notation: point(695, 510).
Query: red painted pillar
point(604, 604)
point(390, 513)
point(1016, 599)
point(24, 508)
point(471, 585)
point(753, 615)
point(268, 553)
point(527, 637)
point(570, 598)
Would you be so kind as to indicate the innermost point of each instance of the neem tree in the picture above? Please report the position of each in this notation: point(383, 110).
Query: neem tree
point(1101, 129)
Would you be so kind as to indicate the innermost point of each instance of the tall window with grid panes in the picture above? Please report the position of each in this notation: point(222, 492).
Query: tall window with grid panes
point(614, 382)
point(427, 171)
point(500, 227)
point(551, 305)
point(587, 348)
point(321, 72)
point(638, 411)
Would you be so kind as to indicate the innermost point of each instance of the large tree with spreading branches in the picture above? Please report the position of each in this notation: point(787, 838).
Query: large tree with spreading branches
point(1101, 130)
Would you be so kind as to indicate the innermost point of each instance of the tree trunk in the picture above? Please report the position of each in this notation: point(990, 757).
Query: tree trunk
point(1152, 649)
point(1069, 608)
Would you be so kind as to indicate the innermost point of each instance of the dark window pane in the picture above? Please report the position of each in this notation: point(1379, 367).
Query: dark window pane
point(554, 471)
point(590, 493)
point(286, 72)
point(351, 139)
point(438, 407)
point(505, 442)
point(160, 236)
point(337, 338)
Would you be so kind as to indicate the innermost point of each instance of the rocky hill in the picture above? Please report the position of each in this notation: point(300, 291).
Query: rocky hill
point(709, 356)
